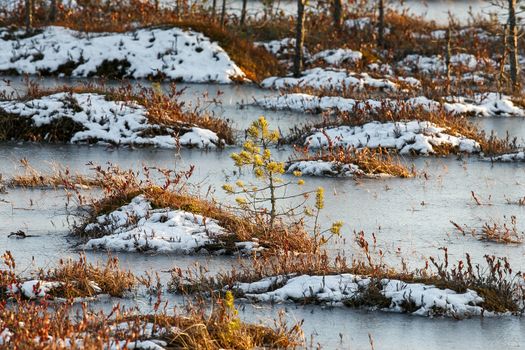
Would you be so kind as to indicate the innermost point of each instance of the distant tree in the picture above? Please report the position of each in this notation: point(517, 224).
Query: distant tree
point(299, 38)
point(243, 11)
point(223, 13)
point(381, 23)
point(511, 6)
point(53, 10)
point(29, 14)
point(338, 13)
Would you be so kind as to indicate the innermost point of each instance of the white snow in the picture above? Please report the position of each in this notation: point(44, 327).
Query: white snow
point(337, 79)
point(324, 168)
point(33, 289)
point(174, 53)
point(483, 105)
point(336, 57)
point(417, 137)
point(137, 227)
point(437, 64)
point(336, 289)
point(509, 157)
point(5, 336)
point(283, 48)
point(358, 23)
point(113, 122)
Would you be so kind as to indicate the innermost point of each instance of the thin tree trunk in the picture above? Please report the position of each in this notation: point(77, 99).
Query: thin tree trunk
point(29, 14)
point(338, 14)
point(501, 77)
point(513, 41)
point(381, 24)
point(299, 39)
point(53, 11)
point(214, 9)
point(243, 11)
point(448, 57)
point(223, 12)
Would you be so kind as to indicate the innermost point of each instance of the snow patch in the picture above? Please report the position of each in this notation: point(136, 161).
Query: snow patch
point(324, 168)
point(173, 53)
point(427, 300)
point(113, 122)
point(136, 227)
point(417, 137)
point(337, 79)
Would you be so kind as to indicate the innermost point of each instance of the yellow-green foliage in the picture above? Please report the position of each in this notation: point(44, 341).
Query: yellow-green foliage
point(251, 198)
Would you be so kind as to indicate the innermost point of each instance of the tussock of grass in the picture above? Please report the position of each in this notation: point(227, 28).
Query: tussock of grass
point(75, 278)
point(506, 233)
point(194, 328)
point(164, 109)
point(454, 125)
point(121, 186)
point(495, 281)
point(370, 161)
point(57, 177)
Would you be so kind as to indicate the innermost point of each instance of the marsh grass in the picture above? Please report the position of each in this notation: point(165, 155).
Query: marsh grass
point(495, 280)
point(370, 161)
point(38, 326)
point(165, 109)
point(454, 125)
point(169, 189)
point(75, 279)
point(495, 232)
point(57, 177)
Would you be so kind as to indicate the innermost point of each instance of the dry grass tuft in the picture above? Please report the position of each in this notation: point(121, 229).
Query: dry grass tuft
point(75, 278)
point(163, 108)
point(121, 186)
point(506, 233)
point(495, 281)
point(370, 161)
point(28, 325)
point(59, 176)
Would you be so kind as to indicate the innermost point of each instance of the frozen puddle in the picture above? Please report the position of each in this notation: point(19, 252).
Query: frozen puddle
point(419, 137)
point(173, 53)
point(136, 227)
point(98, 120)
point(415, 298)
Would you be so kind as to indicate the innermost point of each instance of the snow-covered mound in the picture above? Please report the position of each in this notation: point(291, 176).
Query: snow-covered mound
point(103, 121)
point(337, 79)
point(437, 64)
point(419, 137)
point(173, 53)
point(337, 57)
point(324, 168)
point(483, 105)
point(283, 48)
point(508, 157)
point(33, 289)
point(426, 300)
point(136, 227)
